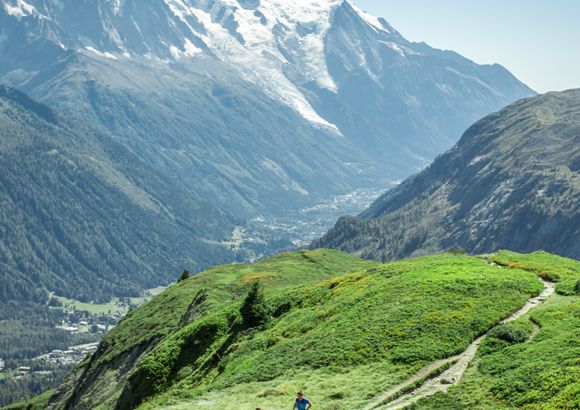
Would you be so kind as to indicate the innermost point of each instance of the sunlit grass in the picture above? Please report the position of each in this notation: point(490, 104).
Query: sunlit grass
point(396, 316)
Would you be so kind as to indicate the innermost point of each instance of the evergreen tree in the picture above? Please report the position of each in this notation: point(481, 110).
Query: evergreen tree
point(254, 310)
point(184, 275)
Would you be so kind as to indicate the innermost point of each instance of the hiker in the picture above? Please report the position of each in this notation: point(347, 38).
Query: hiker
point(301, 402)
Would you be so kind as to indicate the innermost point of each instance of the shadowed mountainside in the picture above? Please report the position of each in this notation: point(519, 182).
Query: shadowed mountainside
point(85, 218)
point(511, 182)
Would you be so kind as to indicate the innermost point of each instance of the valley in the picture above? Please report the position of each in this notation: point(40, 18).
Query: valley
point(309, 224)
point(511, 182)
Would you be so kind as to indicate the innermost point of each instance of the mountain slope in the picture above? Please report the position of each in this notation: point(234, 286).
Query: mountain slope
point(511, 182)
point(258, 107)
point(83, 217)
point(345, 327)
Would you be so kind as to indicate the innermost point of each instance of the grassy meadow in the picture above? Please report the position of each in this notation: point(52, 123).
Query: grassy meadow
point(542, 374)
point(343, 339)
point(224, 285)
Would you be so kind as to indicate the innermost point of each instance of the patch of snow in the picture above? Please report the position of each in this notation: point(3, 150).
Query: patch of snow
point(473, 78)
point(88, 42)
point(373, 21)
point(190, 48)
point(444, 88)
point(174, 52)
point(409, 51)
point(394, 46)
point(20, 9)
point(118, 7)
point(541, 192)
point(107, 55)
point(477, 159)
point(258, 58)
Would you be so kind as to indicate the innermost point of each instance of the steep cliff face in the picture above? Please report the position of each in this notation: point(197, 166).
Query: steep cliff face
point(511, 182)
point(259, 107)
point(91, 385)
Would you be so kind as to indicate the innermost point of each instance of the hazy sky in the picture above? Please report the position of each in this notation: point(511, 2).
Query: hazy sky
point(537, 40)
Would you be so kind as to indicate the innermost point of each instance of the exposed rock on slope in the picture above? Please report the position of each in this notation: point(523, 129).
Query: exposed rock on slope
point(258, 107)
point(511, 182)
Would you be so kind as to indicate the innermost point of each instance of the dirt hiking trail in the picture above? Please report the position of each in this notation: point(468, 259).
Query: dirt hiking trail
point(453, 374)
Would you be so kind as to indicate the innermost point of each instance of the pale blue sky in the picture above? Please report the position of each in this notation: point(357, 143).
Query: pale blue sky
point(538, 41)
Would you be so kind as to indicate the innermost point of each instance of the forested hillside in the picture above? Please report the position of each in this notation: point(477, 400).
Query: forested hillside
point(511, 182)
point(83, 217)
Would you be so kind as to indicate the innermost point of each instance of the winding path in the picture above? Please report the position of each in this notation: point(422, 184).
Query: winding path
point(455, 372)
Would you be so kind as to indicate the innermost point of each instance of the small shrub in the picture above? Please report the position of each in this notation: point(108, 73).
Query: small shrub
point(54, 302)
point(566, 288)
point(491, 345)
point(456, 251)
point(339, 394)
point(577, 287)
point(477, 325)
point(184, 373)
point(273, 339)
point(508, 333)
point(270, 392)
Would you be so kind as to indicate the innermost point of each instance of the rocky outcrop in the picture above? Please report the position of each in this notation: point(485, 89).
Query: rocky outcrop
point(94, 384)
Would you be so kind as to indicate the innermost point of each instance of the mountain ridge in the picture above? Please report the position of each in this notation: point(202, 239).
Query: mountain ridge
point(510, 182)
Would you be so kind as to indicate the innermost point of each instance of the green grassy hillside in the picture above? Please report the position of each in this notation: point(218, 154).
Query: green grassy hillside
point(342, 328)
point(224, 284)
point(346, 331)
point(543, 374)
point(36, 403)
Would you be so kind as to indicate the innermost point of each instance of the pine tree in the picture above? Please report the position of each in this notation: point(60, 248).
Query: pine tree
point(184, 275)
point(254, 310)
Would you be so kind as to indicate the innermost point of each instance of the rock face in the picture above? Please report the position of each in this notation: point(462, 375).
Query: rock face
point(257, 106)
point(511, 182)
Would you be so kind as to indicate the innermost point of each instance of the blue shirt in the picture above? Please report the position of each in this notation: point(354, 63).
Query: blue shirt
point(301, 404)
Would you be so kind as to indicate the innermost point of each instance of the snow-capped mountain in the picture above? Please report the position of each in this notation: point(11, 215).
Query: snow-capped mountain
point(258, 106)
